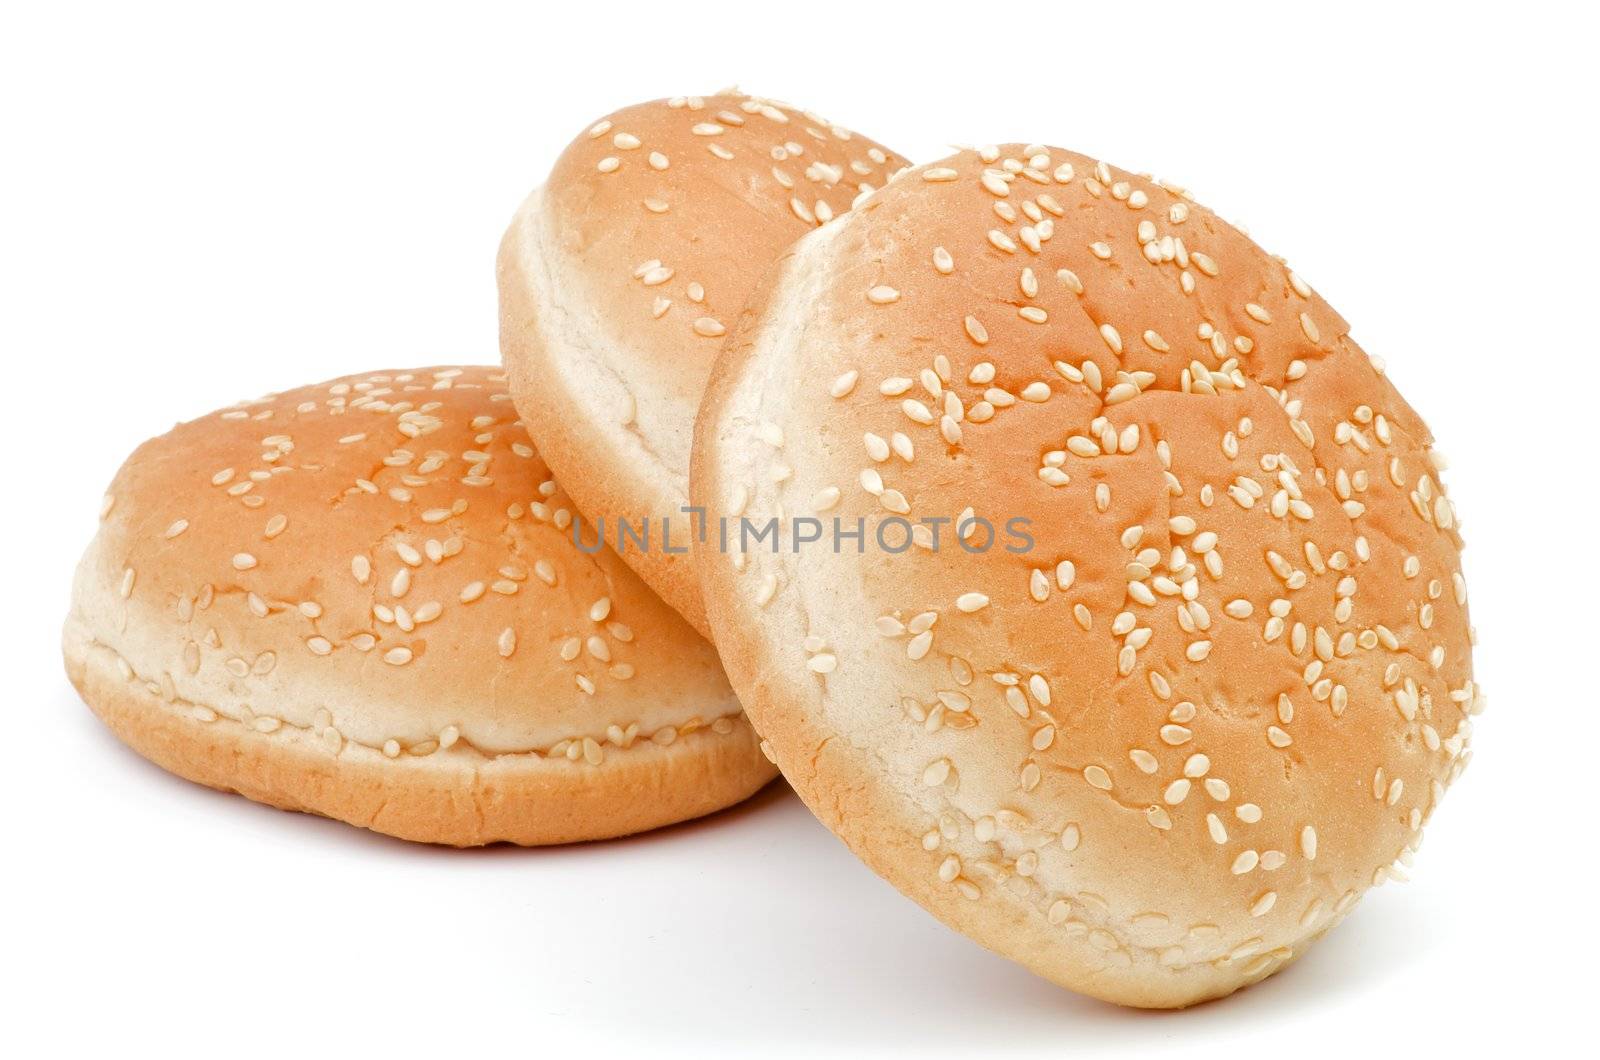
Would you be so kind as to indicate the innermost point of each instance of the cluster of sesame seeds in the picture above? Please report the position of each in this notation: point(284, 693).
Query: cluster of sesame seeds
point(1279, 533)
point(792, 166)
point(463, 516)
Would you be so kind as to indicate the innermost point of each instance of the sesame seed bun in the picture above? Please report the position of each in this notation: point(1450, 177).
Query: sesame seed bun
point(619, 277)
point(362, 599)
point(1156, 751)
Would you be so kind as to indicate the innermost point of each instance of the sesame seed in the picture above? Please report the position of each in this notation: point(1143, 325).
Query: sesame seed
point(825, 498)
point(822, 663)
point(1002, 242)
point(1175, 735)
point(709, 327)
point(883, 295)
point(970, 602)
point(243, 561)
point(1040, 689)
point(995, 182)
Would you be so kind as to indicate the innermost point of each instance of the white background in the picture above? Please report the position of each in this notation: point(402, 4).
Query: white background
point(201, 205)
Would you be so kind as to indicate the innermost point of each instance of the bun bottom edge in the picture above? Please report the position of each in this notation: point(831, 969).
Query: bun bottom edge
point(465, 802)
point(875, 826)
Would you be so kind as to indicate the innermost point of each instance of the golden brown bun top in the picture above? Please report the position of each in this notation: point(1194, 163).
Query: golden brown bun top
point(666, 213)
point(1220, 693)
point(391, 547)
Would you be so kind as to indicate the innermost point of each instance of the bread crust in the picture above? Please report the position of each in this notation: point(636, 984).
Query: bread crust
point(590, 446)
point(366, 599)
point(459, 798)
point(1154, 818)
point(619, 277)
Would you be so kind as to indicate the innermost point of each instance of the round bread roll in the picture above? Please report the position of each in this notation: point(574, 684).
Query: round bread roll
point(363, 599)
point(619, 277)
point(1187, 665)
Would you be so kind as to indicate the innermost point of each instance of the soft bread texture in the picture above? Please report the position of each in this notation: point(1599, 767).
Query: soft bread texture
point(363, 599)
point(1158, 753)
point(619, 277)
